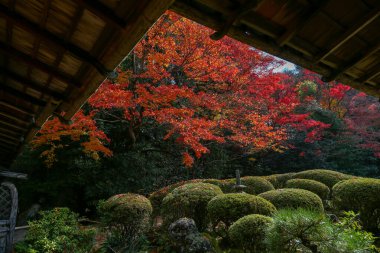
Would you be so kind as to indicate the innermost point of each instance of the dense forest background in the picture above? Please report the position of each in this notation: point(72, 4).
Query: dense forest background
point(185, 106)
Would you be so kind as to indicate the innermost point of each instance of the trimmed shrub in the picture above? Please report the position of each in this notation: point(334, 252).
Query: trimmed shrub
point(327, 177)
point(189, 200)
point(157, 196)
point(279, 180)
point(248, 233)
point(256, 185)
point(230, 207)
point(227, 185)
point(311, 185)
point(126, 214)
point(293, 198)
point(360, 195)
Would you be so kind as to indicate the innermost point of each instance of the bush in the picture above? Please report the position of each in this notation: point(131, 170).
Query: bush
point(279, 180)
point(293, 198)
point(189, 200)
point(311, 185)
point(307, 231)
point(157, 196)
point(256, 185)
point(230, 207)
point(127, 216)
point(248, 233)
point(360, 195)
point(58, 231)
point(327, 177)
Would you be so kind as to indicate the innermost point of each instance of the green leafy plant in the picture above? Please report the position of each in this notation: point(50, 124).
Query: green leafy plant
point(327, 177)
point(312, 232)
point(58, 231)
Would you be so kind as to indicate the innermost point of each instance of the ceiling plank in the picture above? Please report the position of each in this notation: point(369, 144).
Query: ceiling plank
point(22, 95)
point(18, 107)
point(346, 36)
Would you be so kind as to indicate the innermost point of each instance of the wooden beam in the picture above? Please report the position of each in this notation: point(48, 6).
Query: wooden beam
point(31, 84)
point(9, 125)
point(10, 131)
point(9, 116)
point(22, 95)
point(307, 14)
point(9, 142)
point(14, 53)
point(51, 38)
point(7, 136)
point(374, 72)
point(355, 61)
point(18, 108)
point(250, 37)
point(346, 36)
point(103, 12)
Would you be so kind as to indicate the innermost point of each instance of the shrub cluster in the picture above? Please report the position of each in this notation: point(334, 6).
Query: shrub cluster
point(228, 208)
point(311, 185)
point(256, 185)
point(327, 177)
point(360, 195)
point(127, 215)
point(248, 233)
point(279, 180)
point(189, 200)
point(293, 198)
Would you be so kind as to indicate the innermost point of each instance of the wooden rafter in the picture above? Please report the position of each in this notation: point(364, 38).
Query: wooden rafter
point(22, 95)
point(346, 36)
point(371, 75)
point(13, 126)
point(18, 119)
point(355, 61)
point(78, 52)
point(14, 53)
point(31, 84)
point(102, 11)
point(301, 21)
point(18, 107)
point(8, 142)
point(10, 131)
point(11, 138)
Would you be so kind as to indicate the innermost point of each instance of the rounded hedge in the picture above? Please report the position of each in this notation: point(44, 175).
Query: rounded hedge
point(360, 195)
point(279, 180)
point(256, 185)
point(248, 233)
point(232, 206)
point(157, 196)
point(293, 198)
point(327, 177)
point(311, 185)
point(129, 211)
point(189, 200)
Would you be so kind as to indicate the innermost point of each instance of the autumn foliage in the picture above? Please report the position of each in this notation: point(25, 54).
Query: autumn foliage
point(202, 90)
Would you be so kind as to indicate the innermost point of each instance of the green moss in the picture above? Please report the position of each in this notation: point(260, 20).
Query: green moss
point(293, 198)
point(232, 206)
point(248, 233)
point(279, 180)
point(311, 185)
point(189, 200)
point(360, 195)
point(327, 177)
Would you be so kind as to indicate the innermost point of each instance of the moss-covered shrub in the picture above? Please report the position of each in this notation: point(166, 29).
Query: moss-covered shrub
point(293, 198)
point(311, 185)
point(189, 200)
point(360, 195)
point(248, 233)
point(230, 207)
point(157, 196)
point(327, 177)
point(256, 185)
point(127, 214)
point(279, 180)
